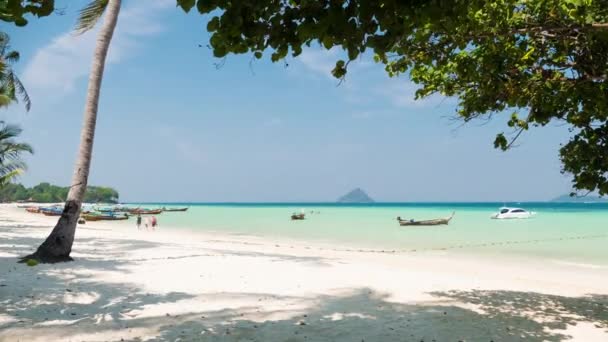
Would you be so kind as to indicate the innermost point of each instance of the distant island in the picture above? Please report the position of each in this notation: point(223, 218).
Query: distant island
point(582, 199)
point(48, 193)
point(355, 196)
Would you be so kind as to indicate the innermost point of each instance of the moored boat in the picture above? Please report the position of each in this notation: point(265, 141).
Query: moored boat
point(33, 210)
point(139, 211)
point(512, 213)
point(104, 217)
point(297, 216)
point(434, 222)
point(175, 209)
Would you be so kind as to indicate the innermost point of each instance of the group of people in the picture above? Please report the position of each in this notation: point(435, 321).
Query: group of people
point(149, 222)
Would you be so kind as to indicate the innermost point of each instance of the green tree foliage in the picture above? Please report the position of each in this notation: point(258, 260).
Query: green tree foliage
point(11, 88)
point(48, 193)
point(542, 60)
point(11, 153)
point(14, 11)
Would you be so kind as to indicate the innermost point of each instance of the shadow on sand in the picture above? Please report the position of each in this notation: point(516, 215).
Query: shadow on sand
point(57, 307)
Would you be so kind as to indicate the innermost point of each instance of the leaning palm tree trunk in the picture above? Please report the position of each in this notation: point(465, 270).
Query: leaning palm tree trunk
point(58, 244)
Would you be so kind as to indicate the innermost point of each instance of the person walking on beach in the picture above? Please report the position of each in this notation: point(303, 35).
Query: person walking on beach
point(138, 222)
point(146, 222)
point(153, 222)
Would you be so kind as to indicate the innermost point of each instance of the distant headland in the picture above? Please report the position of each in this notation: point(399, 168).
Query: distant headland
point(355, 196)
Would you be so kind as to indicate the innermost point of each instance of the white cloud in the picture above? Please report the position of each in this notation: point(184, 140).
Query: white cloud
point(67, 59)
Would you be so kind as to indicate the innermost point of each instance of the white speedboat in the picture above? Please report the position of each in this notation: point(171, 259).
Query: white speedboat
point(513, 213)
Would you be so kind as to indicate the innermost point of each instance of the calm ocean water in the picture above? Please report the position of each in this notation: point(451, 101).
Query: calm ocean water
point(570, 232)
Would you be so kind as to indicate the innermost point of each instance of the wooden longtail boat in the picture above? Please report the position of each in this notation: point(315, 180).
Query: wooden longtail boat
point(33, 210)
point(435, 222)
point(297, 216)
point(104, 217)
point(51, 213)
point(175, 209)
point(146, 211)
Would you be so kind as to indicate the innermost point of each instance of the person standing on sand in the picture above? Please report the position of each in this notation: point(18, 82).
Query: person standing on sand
point(153, 222)
point(138, 222)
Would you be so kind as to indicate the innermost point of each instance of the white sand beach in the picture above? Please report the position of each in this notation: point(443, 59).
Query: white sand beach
point(171, 285)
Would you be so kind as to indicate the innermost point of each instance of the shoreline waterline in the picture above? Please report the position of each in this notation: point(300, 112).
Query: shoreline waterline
point(574, 233)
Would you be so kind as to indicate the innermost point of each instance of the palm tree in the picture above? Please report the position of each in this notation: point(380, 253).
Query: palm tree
point(10, 86)
point(58, 244)
point(11, 164)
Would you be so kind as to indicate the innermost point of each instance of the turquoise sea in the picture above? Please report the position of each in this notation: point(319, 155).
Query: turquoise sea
point(569, 232)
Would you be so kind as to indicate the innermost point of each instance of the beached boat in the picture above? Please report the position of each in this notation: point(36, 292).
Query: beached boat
point(175, 209)
point(33, 210)
point(512, 213)
point(51, 211)
point(105, 210)
point(104, 217)
point(297, 216)
point(139, 211)
point(434, 222)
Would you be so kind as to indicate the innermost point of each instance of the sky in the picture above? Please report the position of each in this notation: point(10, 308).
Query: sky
point(177, 124)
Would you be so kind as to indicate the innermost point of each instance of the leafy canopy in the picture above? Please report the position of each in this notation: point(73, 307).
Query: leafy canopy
point(11, 153)
point(542, 60)
point(15, 10)
point(11, 88)
point(48, 193)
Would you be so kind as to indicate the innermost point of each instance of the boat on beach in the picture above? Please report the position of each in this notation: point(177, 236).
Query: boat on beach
point(139, 211)
point(512, 213)
point(51, 211)
point(116, 209)
point(104, 217)
point(33, 210)
point(175, 209)
point(433, 222)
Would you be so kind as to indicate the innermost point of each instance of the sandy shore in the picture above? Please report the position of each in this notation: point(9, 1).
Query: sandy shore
point(167, 285)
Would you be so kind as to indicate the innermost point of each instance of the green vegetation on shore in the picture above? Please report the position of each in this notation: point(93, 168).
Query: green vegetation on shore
point(48, 193)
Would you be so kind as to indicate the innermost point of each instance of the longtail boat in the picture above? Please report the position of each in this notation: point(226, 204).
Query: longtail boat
point(175, 209)
point(434, 222)
point(104, 217)
point(51, 211)
point(33, 210)
point(145, 211)
point(105, 210)
point(297, 216)
point(24, 206)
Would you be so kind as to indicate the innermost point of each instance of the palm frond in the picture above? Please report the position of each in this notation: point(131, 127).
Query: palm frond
point(5, 100)
point(8, 177)
point(13, 150)
point(20, 89)
point(89, 15)
point(8, 131)
point(12, 57)
point(10, 166)
point(4, 42)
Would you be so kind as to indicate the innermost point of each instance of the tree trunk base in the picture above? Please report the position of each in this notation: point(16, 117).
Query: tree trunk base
point(58, 245)
point(45, 258)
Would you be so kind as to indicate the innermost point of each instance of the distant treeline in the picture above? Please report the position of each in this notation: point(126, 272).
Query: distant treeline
point(47, 193)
